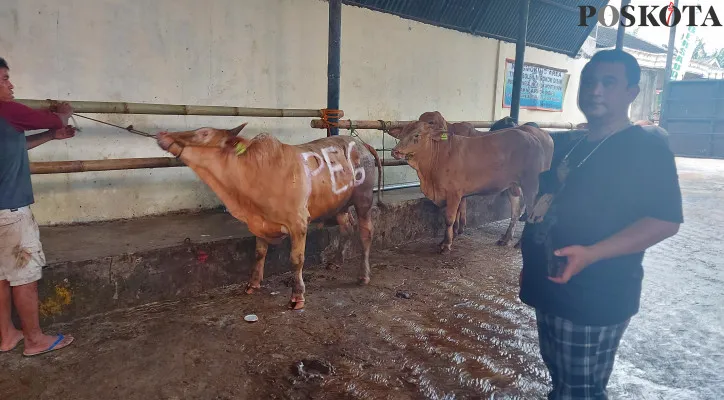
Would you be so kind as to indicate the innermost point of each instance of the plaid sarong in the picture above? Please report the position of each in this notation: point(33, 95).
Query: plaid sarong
point(579, 358)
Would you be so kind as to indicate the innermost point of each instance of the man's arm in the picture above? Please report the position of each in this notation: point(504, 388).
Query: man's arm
point(638, 237)
point(38, 139)
point(53, 134)
point(28, 119)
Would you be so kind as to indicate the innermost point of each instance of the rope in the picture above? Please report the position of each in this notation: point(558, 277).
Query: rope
point(129, 128)
point(328, 113)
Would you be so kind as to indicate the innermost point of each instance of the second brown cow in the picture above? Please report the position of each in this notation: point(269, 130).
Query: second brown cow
point(453, 166)
point(437, 121)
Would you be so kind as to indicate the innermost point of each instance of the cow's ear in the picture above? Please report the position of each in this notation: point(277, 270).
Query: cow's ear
point(395, 132)
point(235, 131)
point(440, 133)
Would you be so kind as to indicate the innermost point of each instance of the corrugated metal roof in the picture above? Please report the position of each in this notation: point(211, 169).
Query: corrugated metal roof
point(606, 37)
point(552, 24)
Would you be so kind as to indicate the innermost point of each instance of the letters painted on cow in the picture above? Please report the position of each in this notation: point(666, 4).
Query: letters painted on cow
point(334, 166)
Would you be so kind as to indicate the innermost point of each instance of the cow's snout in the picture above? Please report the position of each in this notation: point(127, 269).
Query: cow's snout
point(396, 154)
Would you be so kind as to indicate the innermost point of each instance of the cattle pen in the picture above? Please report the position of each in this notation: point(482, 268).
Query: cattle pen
point(147, 269)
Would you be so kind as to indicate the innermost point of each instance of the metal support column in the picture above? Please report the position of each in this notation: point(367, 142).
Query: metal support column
point(667, 72)
point(519, 57)
point(333, 58)
point(621, 28)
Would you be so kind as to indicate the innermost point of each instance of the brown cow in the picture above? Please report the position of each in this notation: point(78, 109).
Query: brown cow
point(437, 121)
point(278, 189)
point(451, 167)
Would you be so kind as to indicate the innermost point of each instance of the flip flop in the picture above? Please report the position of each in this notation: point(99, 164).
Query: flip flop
point(14, 347)
point(52, 346)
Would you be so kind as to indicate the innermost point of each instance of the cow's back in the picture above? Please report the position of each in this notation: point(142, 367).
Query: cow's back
point(337, 167)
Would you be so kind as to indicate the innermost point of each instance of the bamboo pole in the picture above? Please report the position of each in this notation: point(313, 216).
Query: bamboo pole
point(64, 167)
point(348, 124)
point(103, 107)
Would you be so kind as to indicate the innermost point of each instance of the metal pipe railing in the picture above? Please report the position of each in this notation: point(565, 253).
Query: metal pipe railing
point(354, 124)
point(65, 167)
point(106, 107)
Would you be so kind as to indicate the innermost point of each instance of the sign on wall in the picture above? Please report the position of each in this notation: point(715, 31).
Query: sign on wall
point(542, 87)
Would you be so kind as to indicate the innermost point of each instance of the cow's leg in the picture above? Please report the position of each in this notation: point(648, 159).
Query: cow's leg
point(299, 241)
point(514, 197)
point(451, 211)
point(456, 224)
point(257, 274)
point(344, 219)
point(366, 229)
point(530, 191)
point(462, 216)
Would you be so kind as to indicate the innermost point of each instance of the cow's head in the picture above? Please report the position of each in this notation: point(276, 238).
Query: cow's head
point(417, 137)
point(433, 118)
point(202, 137)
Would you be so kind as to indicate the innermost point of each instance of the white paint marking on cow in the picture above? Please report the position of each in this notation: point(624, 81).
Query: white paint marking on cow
point(306, 156)
point(355, 171)
point(333, 168)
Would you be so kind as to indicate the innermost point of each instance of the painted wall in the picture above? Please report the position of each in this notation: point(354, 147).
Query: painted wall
point(253, 53)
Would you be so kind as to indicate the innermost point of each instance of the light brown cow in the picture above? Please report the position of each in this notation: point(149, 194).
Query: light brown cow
point(437, 121)
point(451, 167)
point(279, 189)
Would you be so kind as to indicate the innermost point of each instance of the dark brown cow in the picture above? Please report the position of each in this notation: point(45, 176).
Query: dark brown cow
point(278, 189)
point(451, 167)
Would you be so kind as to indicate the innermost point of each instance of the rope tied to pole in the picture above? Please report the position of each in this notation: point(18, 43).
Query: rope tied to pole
point(329, 113)
point(129, 128)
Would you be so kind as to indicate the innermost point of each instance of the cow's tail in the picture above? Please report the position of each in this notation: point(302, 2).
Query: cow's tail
point(379, 172)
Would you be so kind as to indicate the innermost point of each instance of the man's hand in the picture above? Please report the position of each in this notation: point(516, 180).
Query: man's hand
point(64, 133)
point(63, 110)
point(579, 257)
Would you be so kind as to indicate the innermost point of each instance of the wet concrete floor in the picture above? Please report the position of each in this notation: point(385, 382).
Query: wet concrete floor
point(427, 327)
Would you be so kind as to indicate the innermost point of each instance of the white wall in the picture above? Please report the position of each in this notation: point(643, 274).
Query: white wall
point(252, 53)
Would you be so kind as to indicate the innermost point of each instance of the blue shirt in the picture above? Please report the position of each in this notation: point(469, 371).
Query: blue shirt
point(16, 189)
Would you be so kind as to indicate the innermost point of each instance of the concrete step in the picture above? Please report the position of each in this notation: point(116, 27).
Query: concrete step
point(98, 267)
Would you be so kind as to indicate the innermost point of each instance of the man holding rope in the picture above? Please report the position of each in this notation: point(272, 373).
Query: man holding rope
point(21, 253)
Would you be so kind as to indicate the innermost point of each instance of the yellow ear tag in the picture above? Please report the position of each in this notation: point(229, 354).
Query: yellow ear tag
point(443, 136)
point(240, 148)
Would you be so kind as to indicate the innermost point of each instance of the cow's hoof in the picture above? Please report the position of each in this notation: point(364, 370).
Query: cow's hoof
point(251, 289)
point(364, 281)
point(296, 304)
point(502, 242)
point(517, 245)
point(445, 249)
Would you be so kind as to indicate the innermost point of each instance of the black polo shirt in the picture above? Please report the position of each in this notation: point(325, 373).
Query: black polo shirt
point(632, 175)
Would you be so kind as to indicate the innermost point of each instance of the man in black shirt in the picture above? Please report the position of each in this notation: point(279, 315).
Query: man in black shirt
point(611, 193)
